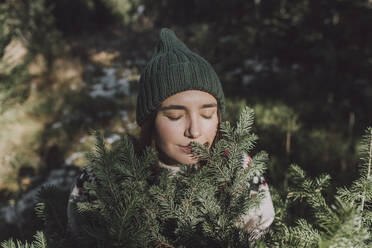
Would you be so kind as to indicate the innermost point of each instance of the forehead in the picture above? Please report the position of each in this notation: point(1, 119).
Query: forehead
point(190, 98)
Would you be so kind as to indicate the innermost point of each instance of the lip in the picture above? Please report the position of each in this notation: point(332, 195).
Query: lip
point(186, 149)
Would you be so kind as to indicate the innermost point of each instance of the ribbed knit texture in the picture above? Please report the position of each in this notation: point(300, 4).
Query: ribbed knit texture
point(172, 69)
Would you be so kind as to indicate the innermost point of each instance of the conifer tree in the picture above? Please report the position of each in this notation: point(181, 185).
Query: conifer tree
point(344, 223)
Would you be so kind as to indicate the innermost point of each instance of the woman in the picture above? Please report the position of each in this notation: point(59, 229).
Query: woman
point(180, 101)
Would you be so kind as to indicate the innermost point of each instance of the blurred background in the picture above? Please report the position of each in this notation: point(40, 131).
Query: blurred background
point(69, 67)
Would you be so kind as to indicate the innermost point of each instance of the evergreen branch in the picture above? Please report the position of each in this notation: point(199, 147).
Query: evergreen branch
point(218, 170)
point(227, 131)
point(8, 244)
point(304, 235)
point(40, 210)
point(346, 195)
point(258, 164)
point(165, 199)
point(367, 218)
point(361, 190)
point(207, 200)
point(248, 142)
point(195, 208)
point(311, 191)
point(245, 122)
point(344, 232)
point(368, 140)
point(200, 151)
point(104, 171)
point(296, 174)
point(305, 187)
point(40, 240)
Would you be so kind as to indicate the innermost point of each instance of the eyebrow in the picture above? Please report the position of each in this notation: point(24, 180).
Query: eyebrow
point(181, 107)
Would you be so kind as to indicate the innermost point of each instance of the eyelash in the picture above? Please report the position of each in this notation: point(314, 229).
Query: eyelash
point(208, 117)
point(177, 118)
point(173, 118)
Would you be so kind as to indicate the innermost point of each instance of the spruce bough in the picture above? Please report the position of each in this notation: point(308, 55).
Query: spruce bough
point(346, 222)
point(201, 206)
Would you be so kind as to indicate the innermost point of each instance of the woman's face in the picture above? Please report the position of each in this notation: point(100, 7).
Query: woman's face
point(182, 118)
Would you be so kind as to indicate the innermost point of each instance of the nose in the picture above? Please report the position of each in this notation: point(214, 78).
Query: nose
point(192, 129)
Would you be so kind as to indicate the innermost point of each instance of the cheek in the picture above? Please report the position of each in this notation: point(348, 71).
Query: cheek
point(210, 129)
point(166, 131)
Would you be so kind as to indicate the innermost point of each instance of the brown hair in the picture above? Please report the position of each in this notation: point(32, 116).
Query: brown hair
point(147, 134)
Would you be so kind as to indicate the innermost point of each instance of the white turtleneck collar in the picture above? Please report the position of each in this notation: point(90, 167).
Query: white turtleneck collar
point(174, 169)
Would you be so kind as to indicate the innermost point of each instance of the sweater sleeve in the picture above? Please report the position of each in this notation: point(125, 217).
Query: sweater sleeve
point(258, 220)
point(78, 194)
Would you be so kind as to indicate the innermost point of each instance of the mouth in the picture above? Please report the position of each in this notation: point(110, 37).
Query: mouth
point(186, 149)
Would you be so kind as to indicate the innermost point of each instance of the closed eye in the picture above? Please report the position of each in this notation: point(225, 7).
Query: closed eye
point(208, 114)
point(172, 118)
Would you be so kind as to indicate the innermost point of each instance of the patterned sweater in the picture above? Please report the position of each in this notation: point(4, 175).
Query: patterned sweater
point(256, 222)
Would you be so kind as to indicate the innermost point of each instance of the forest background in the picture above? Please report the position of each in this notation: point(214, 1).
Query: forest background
point(69, 67)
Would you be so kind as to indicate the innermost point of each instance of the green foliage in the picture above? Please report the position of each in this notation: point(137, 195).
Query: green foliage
point(359, 195)
point(277, 116)
point(39, 242)
point(197, 207)
point(344, 223)
point(120, 194)
point(363, 185)
point(134, 206)
point(206, 204)
point(296, 61)
point(291, 52)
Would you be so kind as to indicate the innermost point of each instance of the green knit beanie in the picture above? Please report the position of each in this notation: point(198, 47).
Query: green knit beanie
point(172, 69)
